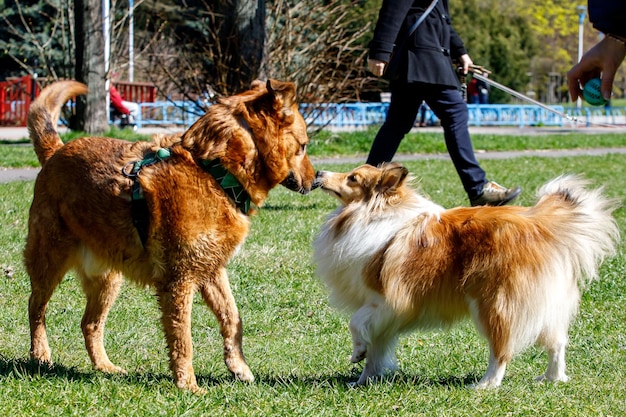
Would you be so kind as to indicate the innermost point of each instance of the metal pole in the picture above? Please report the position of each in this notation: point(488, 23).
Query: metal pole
point(582, 11)
point(106, 29)
point(131, 41)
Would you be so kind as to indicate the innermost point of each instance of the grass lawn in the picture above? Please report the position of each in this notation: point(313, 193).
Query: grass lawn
point(296, 345)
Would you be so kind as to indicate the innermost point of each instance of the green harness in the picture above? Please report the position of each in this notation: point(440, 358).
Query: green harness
point(140, 212)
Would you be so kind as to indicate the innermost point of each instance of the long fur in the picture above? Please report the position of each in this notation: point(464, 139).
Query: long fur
point(398, 261)
point(81, 218)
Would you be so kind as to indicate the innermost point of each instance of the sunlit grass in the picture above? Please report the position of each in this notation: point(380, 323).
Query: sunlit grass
point(297, 346)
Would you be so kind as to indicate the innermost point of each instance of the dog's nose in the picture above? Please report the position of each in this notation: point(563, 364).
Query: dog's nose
point(319, 178)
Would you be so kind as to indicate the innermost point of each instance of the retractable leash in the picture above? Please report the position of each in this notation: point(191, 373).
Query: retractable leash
point(480, 74)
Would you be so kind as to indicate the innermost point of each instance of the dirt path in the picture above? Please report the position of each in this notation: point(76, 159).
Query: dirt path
point(27, 174)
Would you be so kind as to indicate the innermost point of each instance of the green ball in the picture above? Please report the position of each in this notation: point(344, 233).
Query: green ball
point(592, 93)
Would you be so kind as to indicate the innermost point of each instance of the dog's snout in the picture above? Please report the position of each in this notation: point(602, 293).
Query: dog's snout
point(319, 179)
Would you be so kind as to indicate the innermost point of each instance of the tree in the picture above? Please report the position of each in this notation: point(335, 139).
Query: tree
point(92, 109)
point(200, 46)
point(205, 48)
point(320, 46)
point(35, 38)
point(497, 38)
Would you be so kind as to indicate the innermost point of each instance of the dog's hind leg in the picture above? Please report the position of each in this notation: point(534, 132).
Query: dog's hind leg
point(218, 296)
point(555, 341)
point(47, 259)
point(556, 364)
point(101, 292)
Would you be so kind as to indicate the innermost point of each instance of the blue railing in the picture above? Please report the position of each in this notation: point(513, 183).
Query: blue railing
point(359, 115)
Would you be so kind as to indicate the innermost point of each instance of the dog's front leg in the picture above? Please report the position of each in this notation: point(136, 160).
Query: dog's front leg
point(374, 336)
point(218, 296)
point(176, 303)
point(359, 344)
point(495, 373)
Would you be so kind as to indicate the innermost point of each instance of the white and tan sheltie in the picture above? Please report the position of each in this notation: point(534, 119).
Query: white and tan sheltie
point(397, 262)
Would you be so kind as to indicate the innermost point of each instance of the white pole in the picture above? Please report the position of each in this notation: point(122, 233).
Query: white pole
point(106, 32)
point(131, 41)
point(582, 11)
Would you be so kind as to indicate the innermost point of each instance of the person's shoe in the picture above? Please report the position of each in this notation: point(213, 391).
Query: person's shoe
point(495, 195)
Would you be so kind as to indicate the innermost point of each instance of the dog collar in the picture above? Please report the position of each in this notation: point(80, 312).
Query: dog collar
point(229, 184)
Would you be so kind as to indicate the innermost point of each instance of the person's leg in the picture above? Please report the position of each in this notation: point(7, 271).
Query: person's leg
point(405, 101)
point(134, 109)
point(449, 107)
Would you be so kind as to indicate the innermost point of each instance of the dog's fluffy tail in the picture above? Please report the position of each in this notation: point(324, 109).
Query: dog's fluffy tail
point(583, 223)
point(43, 117)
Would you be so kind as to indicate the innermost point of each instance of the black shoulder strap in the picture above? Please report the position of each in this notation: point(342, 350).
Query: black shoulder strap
point(419, 21)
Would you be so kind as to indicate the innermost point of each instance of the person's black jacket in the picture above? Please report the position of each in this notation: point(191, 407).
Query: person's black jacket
point(608, 16)
point(432, 47)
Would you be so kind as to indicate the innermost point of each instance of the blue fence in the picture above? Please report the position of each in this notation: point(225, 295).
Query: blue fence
point(360, 115)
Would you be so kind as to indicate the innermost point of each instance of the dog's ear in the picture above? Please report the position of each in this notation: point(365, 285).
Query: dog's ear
point(392, 177)
point(257, 85)
point(284, 94)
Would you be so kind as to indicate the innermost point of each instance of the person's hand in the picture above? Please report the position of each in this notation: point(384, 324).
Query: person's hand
point(465, 62)
point(376, 67)
point(602, 60)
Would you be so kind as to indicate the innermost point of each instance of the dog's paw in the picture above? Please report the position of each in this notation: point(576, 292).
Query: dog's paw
point(484, 384)
point(191, 386)
point(354, 384)
point(552, 378)
point(196, 390)
point(242, 372)
point(109, 368)
point(357, 356)
point(359, 352)
point(42, 356)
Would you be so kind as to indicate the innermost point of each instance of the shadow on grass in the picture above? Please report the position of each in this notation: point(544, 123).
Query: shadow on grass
point(296, 206)
point(25, 368)
point(347, 381)
point(23, 141)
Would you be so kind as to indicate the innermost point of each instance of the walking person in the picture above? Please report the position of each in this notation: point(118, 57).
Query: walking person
point(427, 73)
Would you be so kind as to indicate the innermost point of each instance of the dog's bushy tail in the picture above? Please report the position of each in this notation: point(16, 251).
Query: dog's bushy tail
point(583, 223)
point(43, 117)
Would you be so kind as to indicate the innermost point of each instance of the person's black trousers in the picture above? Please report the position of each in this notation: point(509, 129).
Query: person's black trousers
point(449, 107)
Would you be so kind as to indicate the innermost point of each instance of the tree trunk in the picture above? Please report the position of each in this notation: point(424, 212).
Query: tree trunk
point(251, 28)
point(92, 110)
point(244, 35)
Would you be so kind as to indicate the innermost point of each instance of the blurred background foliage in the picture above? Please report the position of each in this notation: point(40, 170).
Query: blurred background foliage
point(201, 49)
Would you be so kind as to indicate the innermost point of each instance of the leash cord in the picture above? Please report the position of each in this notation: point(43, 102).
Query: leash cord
point(478, 72)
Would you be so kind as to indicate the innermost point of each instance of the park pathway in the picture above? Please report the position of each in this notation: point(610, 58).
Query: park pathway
point(10, 134)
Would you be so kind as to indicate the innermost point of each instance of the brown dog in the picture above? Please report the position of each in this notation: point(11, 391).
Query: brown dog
point(168, 217)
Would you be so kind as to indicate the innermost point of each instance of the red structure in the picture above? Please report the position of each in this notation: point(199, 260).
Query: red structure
point(16, 94)
point(136, 92)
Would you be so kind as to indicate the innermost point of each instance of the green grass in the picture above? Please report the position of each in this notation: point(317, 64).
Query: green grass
point(19, 153)
point(327, 144)
point(297, 346)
